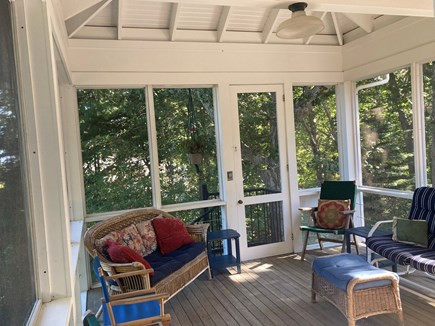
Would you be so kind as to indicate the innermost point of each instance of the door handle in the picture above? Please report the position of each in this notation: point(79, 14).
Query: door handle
point(240, 201)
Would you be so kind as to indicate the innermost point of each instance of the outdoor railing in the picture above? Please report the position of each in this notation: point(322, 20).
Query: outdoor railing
point(263, 221)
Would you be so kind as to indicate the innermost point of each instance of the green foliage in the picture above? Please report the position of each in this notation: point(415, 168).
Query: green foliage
point(185, 116)
point(115, 153)
point(115, 145)
point(316, 135)
point(387, 149)
point(259, 141)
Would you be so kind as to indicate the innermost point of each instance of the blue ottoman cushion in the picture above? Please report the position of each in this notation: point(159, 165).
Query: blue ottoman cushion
point(341, 269)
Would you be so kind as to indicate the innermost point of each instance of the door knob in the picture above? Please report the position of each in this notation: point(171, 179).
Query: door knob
point(240, 201)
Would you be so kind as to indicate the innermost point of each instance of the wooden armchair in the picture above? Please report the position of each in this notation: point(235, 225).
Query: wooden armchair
point(142, 307)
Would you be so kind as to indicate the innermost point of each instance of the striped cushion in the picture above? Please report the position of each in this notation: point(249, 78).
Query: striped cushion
point(423, 208)
point(424, 262)
point(398, 252)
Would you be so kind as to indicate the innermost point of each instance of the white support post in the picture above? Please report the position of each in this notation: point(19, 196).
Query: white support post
point(346, 130)
point(38, 79)
point(418, 128)
point(348, 142)
point(294, 202)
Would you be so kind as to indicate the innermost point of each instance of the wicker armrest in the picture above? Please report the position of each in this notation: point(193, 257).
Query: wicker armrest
point(370, 278)
point(198, 231)
point(129, 277)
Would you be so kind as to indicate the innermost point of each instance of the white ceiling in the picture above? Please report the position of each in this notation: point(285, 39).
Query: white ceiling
point(231, 21)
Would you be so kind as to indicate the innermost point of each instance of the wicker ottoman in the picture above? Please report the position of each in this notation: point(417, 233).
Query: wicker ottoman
point(355, 287)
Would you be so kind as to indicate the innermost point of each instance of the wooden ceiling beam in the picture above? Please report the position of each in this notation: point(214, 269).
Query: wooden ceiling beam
point(223, 23)
point(363, 21)
point(270, 25)
point(173, 22)
point(76, 22)
point(420, 8)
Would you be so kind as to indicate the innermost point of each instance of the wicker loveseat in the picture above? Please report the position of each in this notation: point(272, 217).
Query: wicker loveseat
point(170, 272)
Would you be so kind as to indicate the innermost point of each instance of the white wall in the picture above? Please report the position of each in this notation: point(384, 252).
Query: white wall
point(408, 40)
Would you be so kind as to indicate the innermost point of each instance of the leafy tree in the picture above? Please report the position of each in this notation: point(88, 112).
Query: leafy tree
point(316, 135)
point(386, 133)
point(115, 146)
point(185, 115)
point(115, 154)
point(259, 141)
point(387, 149)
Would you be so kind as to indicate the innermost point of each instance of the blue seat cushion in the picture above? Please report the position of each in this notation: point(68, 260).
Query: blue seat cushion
point(167, 264)
point(424, 262)
point(398, 252)
point(341, 269)
point(130, 312)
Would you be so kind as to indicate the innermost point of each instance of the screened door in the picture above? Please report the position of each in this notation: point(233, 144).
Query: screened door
point(261, 171)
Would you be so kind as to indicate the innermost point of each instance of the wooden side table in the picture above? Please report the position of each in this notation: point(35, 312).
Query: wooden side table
point(223, 261)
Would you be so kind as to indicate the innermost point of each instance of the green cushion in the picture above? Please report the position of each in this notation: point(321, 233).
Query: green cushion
point(410, 231)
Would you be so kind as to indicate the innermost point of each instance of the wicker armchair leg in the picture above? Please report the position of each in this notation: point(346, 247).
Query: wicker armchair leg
point(400, 317)
point(313, 297)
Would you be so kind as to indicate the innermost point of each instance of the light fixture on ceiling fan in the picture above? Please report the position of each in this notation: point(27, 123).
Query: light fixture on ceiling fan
point(299, 25)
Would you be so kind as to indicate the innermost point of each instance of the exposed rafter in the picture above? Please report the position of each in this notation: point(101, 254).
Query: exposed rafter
point(337, 28)
point(223, 23)
point(270, 24)
point(173, 22)
point(420, 8)
point(120, 10)
point(363, 21)
point(76, 22)
point(232, 21)
point(311, 37)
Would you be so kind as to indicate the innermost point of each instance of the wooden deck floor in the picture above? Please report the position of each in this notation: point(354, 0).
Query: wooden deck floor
point(276, 291)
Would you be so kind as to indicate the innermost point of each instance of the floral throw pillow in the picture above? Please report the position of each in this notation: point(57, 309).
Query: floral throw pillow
point(113, 236)
point(149, 239)
point(131, 237)
point(329, 214)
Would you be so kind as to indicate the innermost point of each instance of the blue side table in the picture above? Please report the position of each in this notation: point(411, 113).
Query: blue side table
point(222, 261)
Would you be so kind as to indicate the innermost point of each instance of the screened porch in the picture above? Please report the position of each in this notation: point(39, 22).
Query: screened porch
point(106, 105)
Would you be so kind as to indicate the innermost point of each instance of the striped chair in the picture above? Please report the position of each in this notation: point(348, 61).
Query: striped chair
point(423, 208)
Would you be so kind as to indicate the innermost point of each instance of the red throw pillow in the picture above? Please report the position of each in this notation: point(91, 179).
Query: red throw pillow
point(329, 214)
point(171, 234)
point(123, 254)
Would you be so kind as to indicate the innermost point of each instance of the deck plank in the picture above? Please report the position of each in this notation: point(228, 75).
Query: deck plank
point(275, 291)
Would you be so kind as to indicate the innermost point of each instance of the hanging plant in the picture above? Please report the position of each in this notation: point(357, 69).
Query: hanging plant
point(195, 146)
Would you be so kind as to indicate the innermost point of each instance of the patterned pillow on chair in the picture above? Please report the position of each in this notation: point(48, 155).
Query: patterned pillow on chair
point(328, 213)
